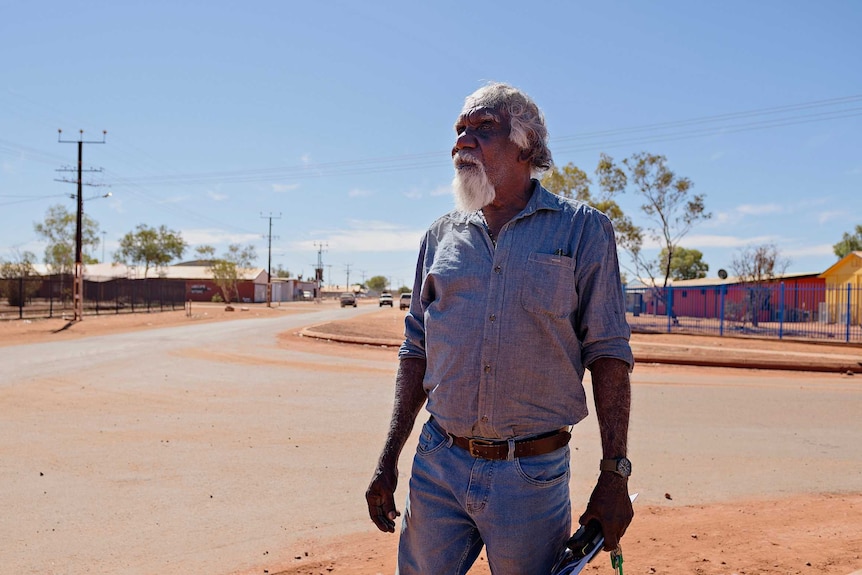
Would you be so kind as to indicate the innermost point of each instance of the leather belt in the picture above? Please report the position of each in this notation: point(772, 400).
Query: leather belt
point(499, 450)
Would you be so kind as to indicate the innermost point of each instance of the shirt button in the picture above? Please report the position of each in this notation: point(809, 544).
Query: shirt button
point(487, 369)
point(493, 317)
point(497, 269)
point(484, 419)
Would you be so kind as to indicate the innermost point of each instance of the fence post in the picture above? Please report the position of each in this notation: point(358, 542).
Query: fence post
point(781, 311)
point(21, 296)
point(667, 305)
point(721, 312)
point(847, 322)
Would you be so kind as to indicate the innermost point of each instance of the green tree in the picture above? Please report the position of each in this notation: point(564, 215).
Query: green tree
point(667, 202)
point(205, 252)
point(150, 247)
point(569, 181)
point(17, 283)
point(685, 264)
point(572, 182)
point(849, 243)
point(377, 283)
point(280, 271)
point(227, 269)
point(58, 229)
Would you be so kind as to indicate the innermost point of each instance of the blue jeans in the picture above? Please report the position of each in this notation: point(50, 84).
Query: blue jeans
point(520, 509)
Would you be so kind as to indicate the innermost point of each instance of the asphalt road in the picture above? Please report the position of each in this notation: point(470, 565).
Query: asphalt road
point(209, 449)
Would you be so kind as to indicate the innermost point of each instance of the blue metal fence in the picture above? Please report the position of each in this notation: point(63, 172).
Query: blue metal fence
point(763, 310)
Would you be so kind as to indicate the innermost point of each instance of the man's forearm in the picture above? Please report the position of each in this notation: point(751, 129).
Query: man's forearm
point(409, 399)
point(612, 393)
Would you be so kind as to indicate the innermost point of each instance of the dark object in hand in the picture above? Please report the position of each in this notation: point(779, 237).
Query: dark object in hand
point(585, 539)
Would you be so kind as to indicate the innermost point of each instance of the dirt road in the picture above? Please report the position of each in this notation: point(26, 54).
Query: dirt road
point(243, 448)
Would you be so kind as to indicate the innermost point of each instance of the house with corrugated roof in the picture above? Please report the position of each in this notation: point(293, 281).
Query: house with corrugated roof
point(844, 290)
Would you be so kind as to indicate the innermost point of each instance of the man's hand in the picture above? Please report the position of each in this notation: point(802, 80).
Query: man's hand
point(380, 497)
point(409, 398)
point(611, 507)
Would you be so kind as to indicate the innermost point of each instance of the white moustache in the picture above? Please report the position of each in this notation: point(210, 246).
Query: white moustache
point(462, 160)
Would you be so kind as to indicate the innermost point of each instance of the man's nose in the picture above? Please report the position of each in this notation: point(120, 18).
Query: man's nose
point(464, 140)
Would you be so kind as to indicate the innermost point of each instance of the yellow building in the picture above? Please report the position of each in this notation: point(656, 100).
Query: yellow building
point(843, 287)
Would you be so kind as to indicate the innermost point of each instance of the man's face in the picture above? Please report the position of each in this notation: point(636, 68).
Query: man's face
point(483, 155)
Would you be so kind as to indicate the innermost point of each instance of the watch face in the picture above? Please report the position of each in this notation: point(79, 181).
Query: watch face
point(624, 467)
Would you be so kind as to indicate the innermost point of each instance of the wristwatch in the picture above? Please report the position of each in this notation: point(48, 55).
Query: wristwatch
point(621, 466)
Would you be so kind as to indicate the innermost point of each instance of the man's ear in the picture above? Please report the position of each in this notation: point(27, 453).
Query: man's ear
point(524, 156)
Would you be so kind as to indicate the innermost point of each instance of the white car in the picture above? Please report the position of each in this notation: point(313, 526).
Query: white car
point(404, 302)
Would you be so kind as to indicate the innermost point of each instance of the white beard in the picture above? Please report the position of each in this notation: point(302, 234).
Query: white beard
point(473, 190)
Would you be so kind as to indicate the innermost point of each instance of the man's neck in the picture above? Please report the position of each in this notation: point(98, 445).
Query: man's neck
point(505, 207)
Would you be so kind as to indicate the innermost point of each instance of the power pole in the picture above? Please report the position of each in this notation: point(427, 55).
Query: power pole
point(348, 276)
point(78, 287)
point(270, 217)
point(318, 271)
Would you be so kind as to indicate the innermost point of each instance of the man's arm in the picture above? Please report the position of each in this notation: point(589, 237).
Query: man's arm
point(609, 504)
point(409, 399)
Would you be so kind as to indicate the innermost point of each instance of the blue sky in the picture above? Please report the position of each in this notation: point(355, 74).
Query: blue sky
point(338, 116)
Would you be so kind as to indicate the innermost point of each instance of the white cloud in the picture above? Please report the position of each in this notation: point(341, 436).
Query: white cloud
point(8, 167)
point(216, 237)
point(718, 220)
point(217, 196)
point(818, 250)
point(824, 217)
point(173, 200)
point(717, 241)
point(442, 190)
point(413, 194)
point(357, 193)
point(282, 188)
point(366, 236)
point(758, 210)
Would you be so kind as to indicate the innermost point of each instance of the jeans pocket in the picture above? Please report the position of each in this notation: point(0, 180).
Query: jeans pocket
point(430, 440)
point(545, 470)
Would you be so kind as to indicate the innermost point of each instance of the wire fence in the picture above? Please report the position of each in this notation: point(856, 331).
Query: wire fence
point(34, 297)
point(761, 310)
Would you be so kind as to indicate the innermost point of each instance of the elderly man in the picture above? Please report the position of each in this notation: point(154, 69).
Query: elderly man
point(517, 291)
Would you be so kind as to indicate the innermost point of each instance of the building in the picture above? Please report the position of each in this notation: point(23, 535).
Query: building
point(843, 300)
point(797, 296)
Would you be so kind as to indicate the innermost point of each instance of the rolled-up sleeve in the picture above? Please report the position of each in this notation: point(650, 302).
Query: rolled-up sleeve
point(414, 322)
point(600, 321)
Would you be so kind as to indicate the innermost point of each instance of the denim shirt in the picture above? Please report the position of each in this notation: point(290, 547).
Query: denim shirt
point(507, 331)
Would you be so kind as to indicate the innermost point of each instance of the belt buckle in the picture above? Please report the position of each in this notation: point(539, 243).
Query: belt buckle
point(474, 443)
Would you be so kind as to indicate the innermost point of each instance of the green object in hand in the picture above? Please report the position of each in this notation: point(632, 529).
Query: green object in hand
point(617, 559)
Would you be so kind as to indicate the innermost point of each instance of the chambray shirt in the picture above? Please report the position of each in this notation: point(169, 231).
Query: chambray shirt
point(507, 331)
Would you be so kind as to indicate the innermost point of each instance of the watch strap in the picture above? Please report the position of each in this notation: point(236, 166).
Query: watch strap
point(621, 466)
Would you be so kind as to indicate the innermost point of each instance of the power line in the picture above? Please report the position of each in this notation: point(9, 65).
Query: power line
point(78, 291)
point(764, 118)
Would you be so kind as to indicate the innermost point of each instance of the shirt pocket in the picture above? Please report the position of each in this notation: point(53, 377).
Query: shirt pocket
point(548, 286)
